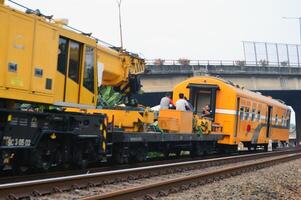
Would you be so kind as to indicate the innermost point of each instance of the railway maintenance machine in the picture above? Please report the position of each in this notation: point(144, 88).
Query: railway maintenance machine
point(46, 64)
point(57, 71)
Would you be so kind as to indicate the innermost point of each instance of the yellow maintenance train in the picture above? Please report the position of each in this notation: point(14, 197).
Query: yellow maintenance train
point(46, 63)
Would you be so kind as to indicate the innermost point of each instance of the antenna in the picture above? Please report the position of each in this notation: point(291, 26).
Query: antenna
point(120, 26)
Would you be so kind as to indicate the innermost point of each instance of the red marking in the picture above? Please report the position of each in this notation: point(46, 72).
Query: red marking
point(248, 128)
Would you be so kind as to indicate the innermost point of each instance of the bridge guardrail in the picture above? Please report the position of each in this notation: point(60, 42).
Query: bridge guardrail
point(261, 63)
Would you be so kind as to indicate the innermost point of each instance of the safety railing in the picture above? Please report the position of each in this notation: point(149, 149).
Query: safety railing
point(242, 63)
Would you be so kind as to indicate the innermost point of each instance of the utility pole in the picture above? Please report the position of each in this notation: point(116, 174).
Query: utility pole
point(299, 19)
point(120, 26)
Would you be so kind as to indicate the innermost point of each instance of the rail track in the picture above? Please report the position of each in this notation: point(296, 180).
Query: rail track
point(9, 178)
point(69, 183)
point(164, 188)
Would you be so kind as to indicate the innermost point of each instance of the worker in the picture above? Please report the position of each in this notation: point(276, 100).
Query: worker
point(182, 104)
point(190, 107)
point(166, 102)
point(206, 111)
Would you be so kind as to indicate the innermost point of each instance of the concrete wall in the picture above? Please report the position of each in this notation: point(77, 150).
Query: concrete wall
point(164, 78)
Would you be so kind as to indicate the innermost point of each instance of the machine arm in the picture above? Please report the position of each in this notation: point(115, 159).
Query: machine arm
point(119, 69)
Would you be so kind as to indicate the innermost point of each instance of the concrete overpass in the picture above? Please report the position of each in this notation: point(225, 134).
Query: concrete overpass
point(280, 82)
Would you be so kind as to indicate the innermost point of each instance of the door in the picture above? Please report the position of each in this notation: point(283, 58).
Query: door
point(237, 117)
point(202, 95)
point(73, 75)
point(269, 117)
point(88, 91)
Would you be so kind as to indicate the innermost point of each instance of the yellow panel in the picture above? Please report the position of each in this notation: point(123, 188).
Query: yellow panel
point(21, 29)
point(59, 87)
point(114, 72)
point(45, 58)
point(72, 91)
point(3, 43)
point(175, 121)
point(86, 97)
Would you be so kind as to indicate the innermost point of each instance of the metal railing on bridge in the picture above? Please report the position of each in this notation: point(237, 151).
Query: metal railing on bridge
point(242, 63)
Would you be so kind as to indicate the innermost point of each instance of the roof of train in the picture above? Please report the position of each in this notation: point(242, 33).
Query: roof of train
point(243, 91)
point(50, 21)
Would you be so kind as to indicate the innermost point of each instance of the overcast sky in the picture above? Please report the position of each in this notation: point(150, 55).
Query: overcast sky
point(170, 29)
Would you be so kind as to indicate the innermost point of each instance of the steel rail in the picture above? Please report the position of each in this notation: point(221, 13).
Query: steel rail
point(61, 184)
point(9, 178)
point(164, 188)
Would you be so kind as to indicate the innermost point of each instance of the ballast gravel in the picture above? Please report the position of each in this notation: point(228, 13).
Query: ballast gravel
point(225, 189)
point(281, 181)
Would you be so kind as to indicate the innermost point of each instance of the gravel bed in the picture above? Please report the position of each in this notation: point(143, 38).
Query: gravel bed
point(75, 194)
point(281, 181)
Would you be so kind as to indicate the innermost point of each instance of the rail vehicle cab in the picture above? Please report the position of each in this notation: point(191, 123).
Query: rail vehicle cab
point(203, 99)
point(202, 95)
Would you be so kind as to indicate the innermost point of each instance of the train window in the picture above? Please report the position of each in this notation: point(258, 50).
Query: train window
point(284, 122)
point(258, 117)
point(253, 114)
point(74, 61)
point(241, 113)
point(281, 121)
point(247, 114)
point(266, 118)
point(276, 119)
point(89, 69)
point(62, 55)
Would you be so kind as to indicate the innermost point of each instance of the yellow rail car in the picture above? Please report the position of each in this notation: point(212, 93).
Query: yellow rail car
point(45, 62)
point(242, 115)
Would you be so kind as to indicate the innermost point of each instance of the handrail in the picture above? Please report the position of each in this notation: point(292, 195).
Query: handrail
point(242, 63)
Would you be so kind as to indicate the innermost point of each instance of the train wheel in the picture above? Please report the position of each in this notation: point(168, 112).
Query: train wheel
point(120, 154)
point(80, 160)
point(196, 150)
point(141, 154)
point(265, 147)
point(178, 152)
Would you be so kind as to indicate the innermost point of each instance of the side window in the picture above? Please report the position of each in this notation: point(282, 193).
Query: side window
point(62, 55)
point(267, 117)
point(241, 113)
point(276, 119)
point(74, 61)
point(247, 110)
point(258, 117)
point(253, 114)
point(281, 121)
point(89, 69)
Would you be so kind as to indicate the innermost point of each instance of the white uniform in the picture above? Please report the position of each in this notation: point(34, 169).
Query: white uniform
point(164, 103)
point(181, 104)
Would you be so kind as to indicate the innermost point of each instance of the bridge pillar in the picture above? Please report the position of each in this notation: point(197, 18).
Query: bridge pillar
point(298, 124)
